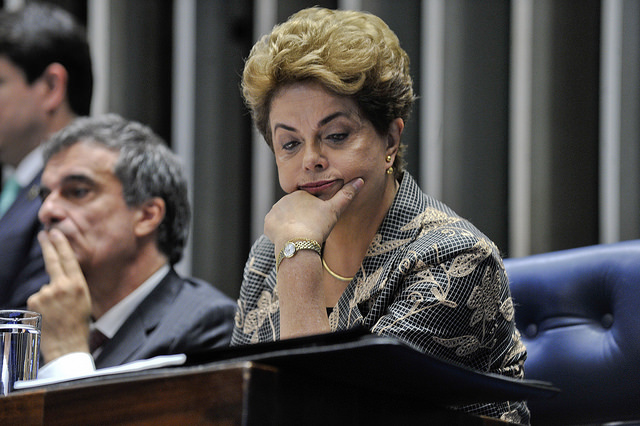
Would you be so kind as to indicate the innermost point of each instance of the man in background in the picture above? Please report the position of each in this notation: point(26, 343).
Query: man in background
point(116, 218)
point(46, 81)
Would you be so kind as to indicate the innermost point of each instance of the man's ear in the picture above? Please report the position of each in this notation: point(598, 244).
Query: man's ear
point(54, 79)
point(393, 137)
point(149, 216)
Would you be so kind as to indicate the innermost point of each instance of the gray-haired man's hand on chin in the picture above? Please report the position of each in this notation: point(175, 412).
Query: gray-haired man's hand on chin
point(65, 303)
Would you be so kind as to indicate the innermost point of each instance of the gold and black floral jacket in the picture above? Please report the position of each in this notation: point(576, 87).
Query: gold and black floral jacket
point(429, 278)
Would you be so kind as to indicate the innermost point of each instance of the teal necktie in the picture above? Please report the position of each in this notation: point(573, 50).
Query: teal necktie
point(9, 193)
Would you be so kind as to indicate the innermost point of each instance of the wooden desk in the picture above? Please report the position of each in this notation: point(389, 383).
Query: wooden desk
point(323, 380)
point(184, 396)
point(236, 394)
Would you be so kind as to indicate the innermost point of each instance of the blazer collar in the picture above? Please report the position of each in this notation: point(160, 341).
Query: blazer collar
point(134, 332)
point(27, 200)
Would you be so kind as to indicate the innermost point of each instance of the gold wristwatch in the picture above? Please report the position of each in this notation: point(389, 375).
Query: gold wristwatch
point(291, 247)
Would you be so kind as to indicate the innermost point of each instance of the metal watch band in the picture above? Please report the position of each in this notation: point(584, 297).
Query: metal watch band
point(291, 247)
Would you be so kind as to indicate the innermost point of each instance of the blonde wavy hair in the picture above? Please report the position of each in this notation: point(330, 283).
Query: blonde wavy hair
point(349, 53)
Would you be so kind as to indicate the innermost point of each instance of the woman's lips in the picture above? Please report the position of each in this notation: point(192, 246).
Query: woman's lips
point(319, 187)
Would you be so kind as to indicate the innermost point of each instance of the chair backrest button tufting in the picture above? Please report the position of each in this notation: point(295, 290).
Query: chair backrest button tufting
point(531, 331)
point(607, 320)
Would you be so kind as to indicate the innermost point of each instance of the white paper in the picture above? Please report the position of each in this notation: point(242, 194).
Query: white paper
point(143, 364)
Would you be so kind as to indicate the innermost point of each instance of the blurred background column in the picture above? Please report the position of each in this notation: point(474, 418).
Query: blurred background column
point(527, 121)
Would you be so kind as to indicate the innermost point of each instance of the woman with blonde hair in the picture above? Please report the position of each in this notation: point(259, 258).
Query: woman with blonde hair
point(355, 242)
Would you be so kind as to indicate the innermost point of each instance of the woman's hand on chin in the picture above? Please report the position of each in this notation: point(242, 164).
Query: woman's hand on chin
point(302, 215)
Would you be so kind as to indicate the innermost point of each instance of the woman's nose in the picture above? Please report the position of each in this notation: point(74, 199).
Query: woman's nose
point(314, 158)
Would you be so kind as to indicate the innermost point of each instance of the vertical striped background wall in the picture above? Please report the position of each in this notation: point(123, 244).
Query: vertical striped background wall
point(528, 121)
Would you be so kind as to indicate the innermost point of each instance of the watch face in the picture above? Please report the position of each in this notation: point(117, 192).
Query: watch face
point(289, 249)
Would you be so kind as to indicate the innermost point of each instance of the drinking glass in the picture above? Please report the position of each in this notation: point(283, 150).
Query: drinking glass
point(19, 347)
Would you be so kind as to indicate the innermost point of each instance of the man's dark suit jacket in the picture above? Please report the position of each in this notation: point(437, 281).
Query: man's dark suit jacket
point(178, 316)
point(22, 270)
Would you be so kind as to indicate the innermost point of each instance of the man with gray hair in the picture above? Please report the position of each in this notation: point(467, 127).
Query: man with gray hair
point(116, 215)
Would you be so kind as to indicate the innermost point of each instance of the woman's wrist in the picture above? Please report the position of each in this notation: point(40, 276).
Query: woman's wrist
point(292, 246)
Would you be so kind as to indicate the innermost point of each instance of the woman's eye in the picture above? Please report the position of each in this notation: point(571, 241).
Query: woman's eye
point(290, 145)
point(337, 137)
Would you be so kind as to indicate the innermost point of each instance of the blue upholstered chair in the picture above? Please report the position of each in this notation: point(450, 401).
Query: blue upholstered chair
point(579, 314)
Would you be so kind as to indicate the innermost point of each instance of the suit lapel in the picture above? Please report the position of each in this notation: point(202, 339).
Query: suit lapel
point(132, 341)
point(27, 201)
point(18, 229)
point(27, 198)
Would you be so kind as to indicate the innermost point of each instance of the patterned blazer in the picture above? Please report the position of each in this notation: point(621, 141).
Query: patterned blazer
point(429, 278)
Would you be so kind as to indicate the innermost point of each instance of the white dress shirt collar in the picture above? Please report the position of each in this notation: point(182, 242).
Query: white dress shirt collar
point(112, 320)
point(77, 364)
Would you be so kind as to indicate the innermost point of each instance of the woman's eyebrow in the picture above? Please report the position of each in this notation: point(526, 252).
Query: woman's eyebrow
point(331, 117)
point(321, 123)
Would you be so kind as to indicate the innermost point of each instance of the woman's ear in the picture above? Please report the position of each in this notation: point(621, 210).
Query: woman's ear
point(393, 136)
point(149, 216)
point(54, 78)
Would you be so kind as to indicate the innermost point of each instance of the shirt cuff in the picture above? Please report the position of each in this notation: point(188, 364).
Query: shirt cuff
point(68, 366)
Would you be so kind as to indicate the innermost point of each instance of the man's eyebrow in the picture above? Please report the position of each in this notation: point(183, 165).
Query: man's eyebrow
point(77, 178)
point(73, 178)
